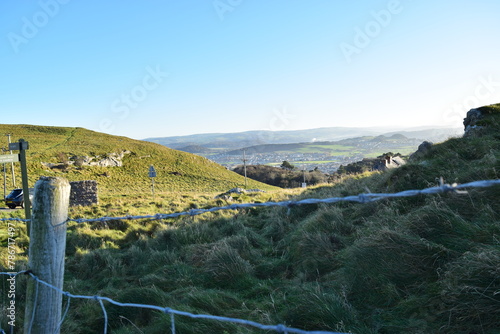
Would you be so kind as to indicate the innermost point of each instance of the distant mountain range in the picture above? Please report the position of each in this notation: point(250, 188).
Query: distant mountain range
point(203, 143)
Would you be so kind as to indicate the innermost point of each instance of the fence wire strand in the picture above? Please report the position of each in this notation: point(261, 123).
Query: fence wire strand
point(361, 198)
point(167, 310)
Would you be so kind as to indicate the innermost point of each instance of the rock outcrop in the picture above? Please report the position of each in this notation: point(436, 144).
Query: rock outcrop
point(421, 151)
point(110, 160)
point(471, 127)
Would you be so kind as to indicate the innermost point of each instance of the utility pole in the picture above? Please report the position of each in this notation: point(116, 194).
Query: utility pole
point(12, 164)
point(245, 166)
point(304, 184)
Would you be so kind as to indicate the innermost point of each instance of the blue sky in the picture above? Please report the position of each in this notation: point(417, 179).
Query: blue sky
point(163, 68)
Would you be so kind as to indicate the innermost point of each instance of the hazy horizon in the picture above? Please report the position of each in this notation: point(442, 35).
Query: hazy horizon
point(382, 129)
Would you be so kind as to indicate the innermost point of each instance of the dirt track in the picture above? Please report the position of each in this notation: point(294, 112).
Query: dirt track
point(6, 209)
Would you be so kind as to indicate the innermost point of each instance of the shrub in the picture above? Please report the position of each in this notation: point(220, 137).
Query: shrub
point(471, 292)
point(312, 308)
point(382, 267)
point(225, 266)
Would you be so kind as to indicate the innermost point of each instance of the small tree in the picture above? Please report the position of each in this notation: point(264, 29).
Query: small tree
point(287, 165)
point(341, 170)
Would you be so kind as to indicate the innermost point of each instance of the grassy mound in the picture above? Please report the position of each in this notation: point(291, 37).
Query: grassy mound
point(66, 147)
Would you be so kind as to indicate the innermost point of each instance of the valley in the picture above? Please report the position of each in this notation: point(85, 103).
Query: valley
point(229, 150)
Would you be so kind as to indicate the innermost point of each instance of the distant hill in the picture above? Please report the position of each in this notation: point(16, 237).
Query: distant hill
point(269, 148)
point(386, 138)
point(367, 146)
point(232, 141)
point(68, 152)
point(195, 149)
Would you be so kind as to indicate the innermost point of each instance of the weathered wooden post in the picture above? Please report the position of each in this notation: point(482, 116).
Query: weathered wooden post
point(46, 254)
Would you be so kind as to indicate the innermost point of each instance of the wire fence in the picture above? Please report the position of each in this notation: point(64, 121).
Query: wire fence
point(361, 198)
point(166, 310)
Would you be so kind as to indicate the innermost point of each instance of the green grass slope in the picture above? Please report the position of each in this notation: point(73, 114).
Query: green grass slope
point(176, 171)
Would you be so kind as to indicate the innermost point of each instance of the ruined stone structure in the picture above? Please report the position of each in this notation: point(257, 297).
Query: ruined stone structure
point(83, 193)
point(388, 162)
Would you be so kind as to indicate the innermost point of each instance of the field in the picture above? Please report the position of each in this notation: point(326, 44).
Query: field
point(362, 145)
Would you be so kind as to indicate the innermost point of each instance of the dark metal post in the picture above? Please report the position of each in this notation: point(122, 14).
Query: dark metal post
point(152, 175)
point(12, 164)
point(4, 177)
point(23, 146)
point(4, 182)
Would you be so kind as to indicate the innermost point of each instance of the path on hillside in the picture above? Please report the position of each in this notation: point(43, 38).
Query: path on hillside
point(71, 135)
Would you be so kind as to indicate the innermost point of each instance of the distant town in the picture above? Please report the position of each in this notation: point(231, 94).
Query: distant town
point(324, 162)
point(327, 151)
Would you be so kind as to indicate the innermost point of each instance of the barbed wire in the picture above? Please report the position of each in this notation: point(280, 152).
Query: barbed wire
point(15, 219)
point(361, 198)
point(166, 310)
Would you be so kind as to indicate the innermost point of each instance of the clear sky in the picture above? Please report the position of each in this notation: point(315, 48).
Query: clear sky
point(175, 67)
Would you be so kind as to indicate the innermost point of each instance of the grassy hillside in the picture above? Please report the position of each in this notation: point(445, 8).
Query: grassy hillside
point(425, 264)
point(176, 171)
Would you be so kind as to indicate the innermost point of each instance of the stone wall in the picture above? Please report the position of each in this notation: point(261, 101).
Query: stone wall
point(83, 193)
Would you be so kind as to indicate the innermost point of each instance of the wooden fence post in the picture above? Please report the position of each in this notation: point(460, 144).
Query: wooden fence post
point(46, 254)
